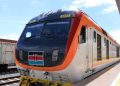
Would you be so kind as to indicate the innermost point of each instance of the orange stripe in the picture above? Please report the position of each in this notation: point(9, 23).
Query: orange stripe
point(98, 28)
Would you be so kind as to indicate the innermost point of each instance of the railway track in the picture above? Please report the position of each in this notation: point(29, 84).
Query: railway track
point(9, 76)
point(8, 79)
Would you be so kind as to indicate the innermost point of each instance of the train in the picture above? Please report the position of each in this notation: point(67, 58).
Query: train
point(64, 46)
point(7, 48)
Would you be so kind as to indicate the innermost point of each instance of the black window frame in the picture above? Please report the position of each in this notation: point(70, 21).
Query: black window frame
point(105, 41)
point(83, 38)
point(94, 36)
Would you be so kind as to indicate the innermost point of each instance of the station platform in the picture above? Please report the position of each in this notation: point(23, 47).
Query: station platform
point(109, 78)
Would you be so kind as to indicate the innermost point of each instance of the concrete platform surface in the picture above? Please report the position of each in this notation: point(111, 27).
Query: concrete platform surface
point(110, 78)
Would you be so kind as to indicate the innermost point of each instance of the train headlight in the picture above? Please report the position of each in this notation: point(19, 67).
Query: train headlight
point(55, 55)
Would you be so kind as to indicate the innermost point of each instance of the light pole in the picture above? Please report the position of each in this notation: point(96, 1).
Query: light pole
point(118, 4)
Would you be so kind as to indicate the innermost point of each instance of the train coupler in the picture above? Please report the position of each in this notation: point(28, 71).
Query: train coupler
point(27, 81)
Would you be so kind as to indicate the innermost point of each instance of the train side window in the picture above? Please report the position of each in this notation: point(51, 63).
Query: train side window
point(94, 35)
point(83, 35)
point(105, 42)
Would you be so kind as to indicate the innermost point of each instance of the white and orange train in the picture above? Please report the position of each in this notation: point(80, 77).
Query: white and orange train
point(64, 46)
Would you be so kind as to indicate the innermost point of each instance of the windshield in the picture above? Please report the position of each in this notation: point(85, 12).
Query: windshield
point(32, 31)
point(46, 37)
point(49, 30)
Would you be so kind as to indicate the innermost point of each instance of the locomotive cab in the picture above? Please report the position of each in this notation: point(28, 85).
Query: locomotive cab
point(44, 39)
point(52, 45)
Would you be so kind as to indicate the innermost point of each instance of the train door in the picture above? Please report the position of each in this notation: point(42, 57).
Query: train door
point(99, 47)
point(107, 49)
point(9, 57)
point(83, 51)
point(9, 54)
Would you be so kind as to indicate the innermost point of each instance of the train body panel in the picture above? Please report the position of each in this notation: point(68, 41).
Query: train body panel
point(87, 49)
point(7, 48)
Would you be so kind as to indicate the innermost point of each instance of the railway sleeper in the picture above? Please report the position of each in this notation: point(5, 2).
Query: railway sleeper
point(3, 83)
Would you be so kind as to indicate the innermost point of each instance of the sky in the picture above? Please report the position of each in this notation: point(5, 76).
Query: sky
point(14, 14)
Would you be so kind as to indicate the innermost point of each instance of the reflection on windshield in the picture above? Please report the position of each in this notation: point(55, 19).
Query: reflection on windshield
point(32, 31)
point(28, 34)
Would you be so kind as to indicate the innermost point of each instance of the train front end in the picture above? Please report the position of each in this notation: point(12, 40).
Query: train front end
point(42, 49)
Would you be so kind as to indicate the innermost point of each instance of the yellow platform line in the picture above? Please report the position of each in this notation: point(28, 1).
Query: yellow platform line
point(116, 82)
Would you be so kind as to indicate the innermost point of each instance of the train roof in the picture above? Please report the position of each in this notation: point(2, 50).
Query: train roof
point(52, 15)
point(8, 41)
point(67, 14)
point(101, 29)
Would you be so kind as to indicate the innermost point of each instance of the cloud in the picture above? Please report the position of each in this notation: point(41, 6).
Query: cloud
point(109, 9)
point(9, 36)
point(36, 3)
point(110, 5)
point(116, 35)
point(4, 7)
